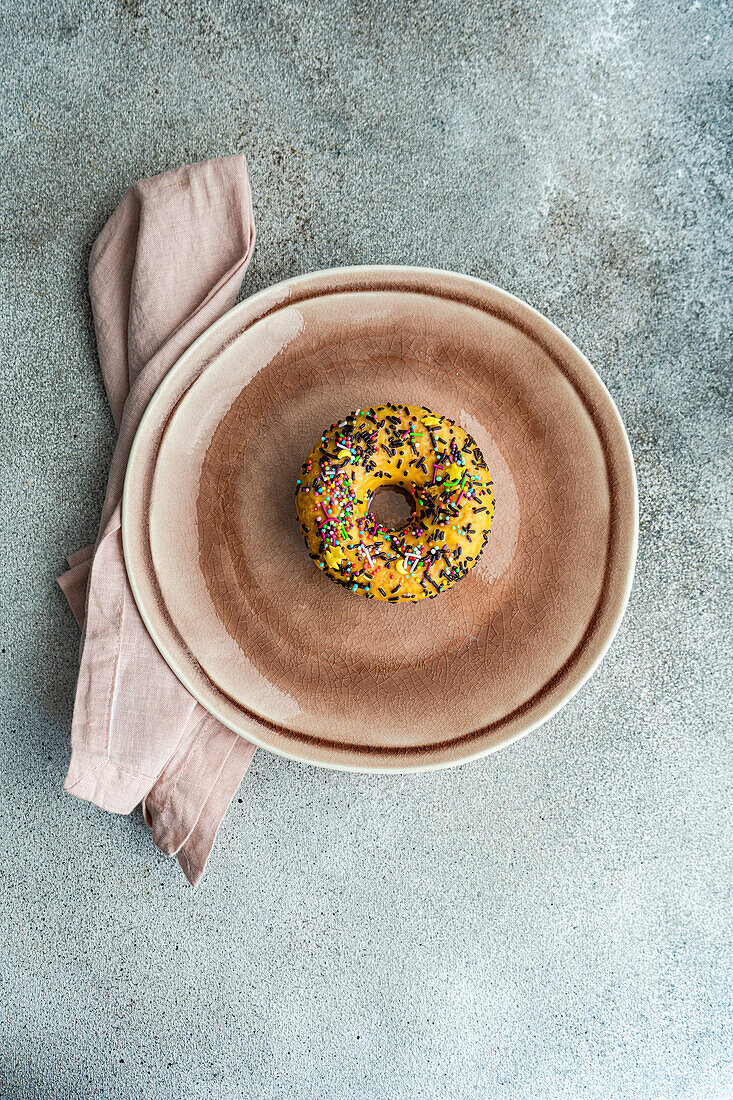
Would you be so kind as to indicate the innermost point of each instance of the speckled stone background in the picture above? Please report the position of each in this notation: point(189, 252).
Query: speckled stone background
point(553, 921)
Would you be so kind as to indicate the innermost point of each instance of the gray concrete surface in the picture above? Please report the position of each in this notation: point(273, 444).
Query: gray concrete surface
point(555, 920)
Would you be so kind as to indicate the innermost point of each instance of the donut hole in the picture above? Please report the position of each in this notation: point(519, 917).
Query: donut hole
point(392, 506)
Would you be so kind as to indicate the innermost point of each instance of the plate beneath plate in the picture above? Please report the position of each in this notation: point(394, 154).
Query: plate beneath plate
point(304, 667)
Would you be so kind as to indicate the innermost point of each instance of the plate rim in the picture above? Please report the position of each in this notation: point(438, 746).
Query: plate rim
point(283, 288)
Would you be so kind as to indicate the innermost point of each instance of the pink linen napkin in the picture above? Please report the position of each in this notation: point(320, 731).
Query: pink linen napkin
point(167, 264)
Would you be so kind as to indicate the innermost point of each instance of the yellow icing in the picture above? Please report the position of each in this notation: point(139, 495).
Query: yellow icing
point(333, 496)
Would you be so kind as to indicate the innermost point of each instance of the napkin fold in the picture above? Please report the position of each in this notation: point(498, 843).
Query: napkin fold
point(167, 264)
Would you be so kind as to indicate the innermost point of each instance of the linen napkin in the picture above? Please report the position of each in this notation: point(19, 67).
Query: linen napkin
point(167, 264)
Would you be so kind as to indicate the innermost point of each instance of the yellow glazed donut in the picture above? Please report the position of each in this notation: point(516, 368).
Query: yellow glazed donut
point(412, 449)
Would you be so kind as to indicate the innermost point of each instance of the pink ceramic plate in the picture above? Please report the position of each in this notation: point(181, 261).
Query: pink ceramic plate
point(306, 668)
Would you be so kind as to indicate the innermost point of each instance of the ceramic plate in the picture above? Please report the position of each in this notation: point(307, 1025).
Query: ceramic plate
point(306, 668)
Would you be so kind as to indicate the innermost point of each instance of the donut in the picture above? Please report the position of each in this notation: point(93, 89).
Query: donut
point(424, 455)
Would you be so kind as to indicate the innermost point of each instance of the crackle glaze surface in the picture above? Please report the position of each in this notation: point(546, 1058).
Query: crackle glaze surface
point(295, 662)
